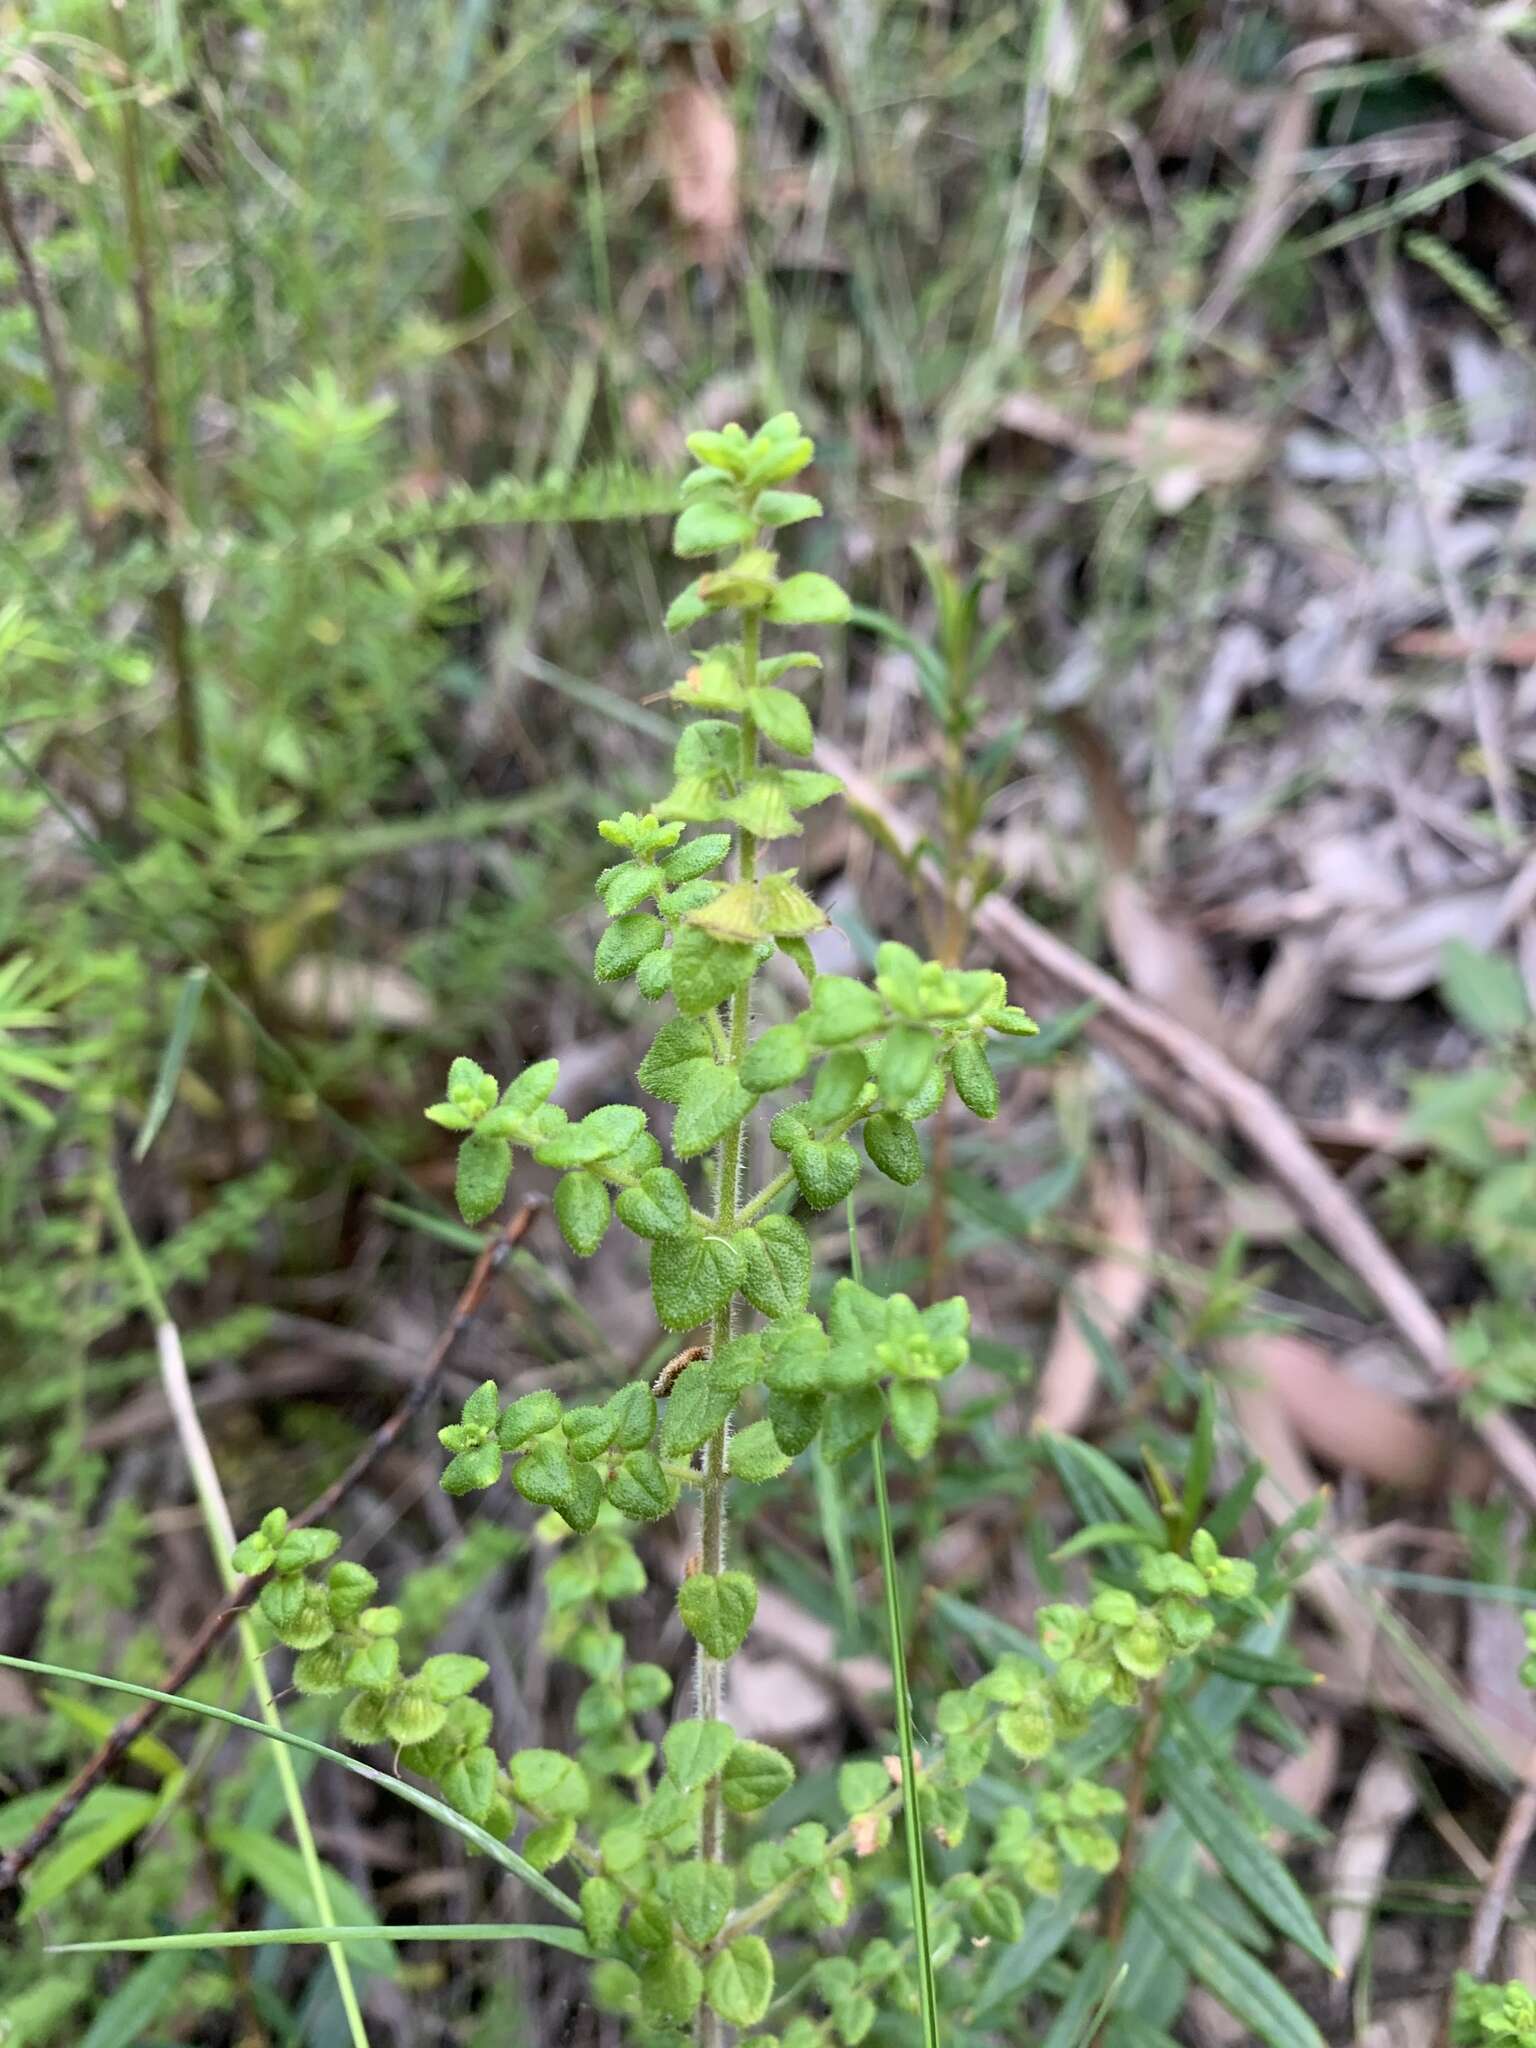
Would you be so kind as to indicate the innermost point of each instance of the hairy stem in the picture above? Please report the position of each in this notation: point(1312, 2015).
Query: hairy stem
point(709, 1673)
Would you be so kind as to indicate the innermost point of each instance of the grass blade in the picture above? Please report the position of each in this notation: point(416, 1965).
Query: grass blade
point(188, 1003)
point(567, 1938)
point(1226, 1969)
point(912, 1824)
point(398, 1788)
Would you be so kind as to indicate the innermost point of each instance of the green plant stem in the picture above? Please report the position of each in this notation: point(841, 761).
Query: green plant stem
point(221, 1541)
point(912, 1823)
point(709, 1673)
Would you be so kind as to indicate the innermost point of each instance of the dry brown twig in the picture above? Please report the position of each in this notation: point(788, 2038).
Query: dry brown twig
point(1246, 1104)
point(216, 1625)
point(1493, 1906)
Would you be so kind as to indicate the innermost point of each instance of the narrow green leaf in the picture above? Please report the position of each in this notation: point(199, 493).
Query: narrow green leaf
point(1226, 1969)
point(1255, 1870)
point(398, 1788)
point(303, 1937)
point(172, 1060)
point(125, 2019)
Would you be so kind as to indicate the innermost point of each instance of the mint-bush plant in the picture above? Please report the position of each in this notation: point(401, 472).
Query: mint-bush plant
point(699, 1915)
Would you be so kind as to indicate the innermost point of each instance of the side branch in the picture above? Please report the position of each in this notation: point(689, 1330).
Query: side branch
point(218, 1624)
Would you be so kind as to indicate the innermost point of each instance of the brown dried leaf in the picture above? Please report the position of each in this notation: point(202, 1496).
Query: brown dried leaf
point(700, 153)
point(1107, 1295)
point(1355, 1427)
point(1384, 1799)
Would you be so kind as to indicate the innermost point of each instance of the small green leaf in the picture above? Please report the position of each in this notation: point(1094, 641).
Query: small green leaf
point(827, 1170)
point(448, 1676)
point(713, 1103)
point(696, 857)
point(1483, 991)
point(975, 1082)
point(485, 1167)
point(710, 525)
point(472, 1470)
point(682, 1044)
point(691, 1277)
point(625, 944)
point(671, 1986)
point(776, 1060)
point(605, 1133)
point(808, 600)
point(697, 1751)
point(705, 970)
point(754, 1776)
point(657, 1207)
point(842, 1009)
point(839, 1083)
point(849, 1421)
point(739, 1984)
point(796, 1418)
point(861, 1784)
point(755, 1455)
point(776, 1260)
point(550, 1783)
point(701, 1894)
point(785, 508)
point(784, 720)
point(892, 1144)
point(602, 1906)
point(633, 1409)
point(528, 1416)
point(903, 1064)
point(640, 1488)
point(696, 1407)
point(914, 1417)
point(717, 1611)
point(582, 1209)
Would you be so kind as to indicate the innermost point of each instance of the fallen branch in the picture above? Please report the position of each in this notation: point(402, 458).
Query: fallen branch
point(1245, 1103)
point(1474, 63)
point(1493, 1906)
point(218, 1624)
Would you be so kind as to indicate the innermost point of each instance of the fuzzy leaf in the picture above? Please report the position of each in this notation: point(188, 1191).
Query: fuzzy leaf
point(706, 970)
point(975, 1082)
point(710, 525)
point(839, 1083)
point(603, 1134)
point(739, 1984)
point(696, 857)
point(701, 1894)
point(754, 1776)
point(827, 1171)
point(755, 1455)
point(678, 1047)
point(776, 1060)
point(657, 1207)
point(808, 600)
point(713, 1103)
point(914, 1417)
point(850, 1420)
point(785, 508)
point(904, 1063)
point(528, 1416)
point(697, 1751)
point(582, 1209)
point(796, 1418)
point(472, 1470)
point(717, 1611)
point(691, 1277)
point(640, 1488)
point(696, 1407)
point(776, 1257)
point(781, 716)
point(448, 1676)
point(485, 1167)
point(633, 1409)
point(892, 1144)
point(625, 944)
point(842, 1009)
